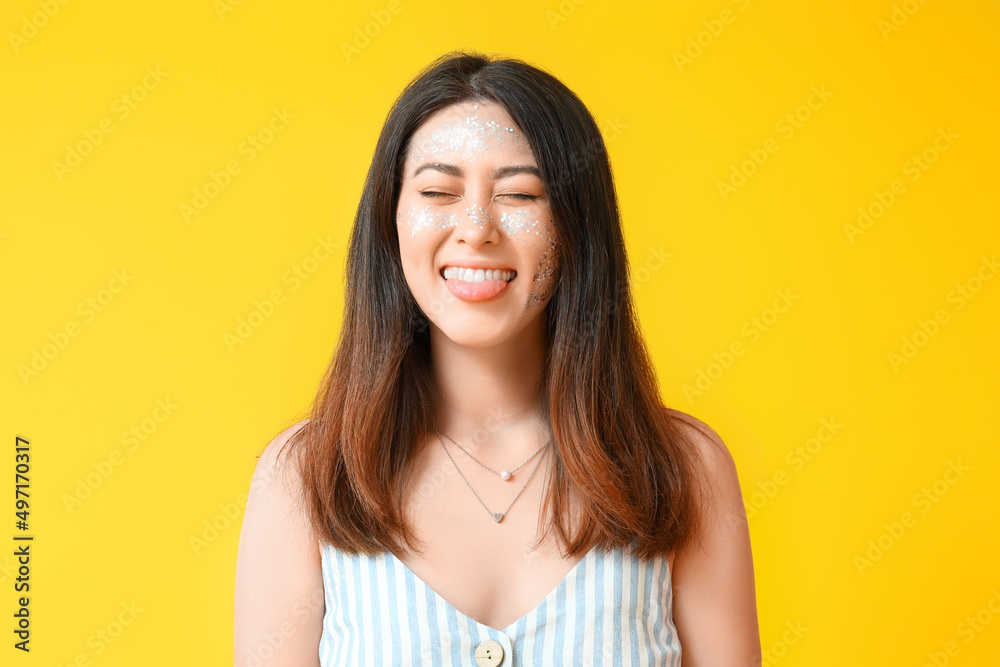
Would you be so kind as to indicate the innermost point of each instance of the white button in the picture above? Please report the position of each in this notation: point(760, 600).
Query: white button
point(489, 653)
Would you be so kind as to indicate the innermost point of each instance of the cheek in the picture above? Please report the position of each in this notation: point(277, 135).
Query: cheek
point(544, 281)
point(535, 230)
point(417, 229)
point(414, 221)
point(524, 224)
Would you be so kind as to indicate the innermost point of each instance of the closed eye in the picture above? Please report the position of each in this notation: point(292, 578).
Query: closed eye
point(521, 196)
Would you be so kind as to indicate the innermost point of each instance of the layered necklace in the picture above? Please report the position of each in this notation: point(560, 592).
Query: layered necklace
point(503, 474)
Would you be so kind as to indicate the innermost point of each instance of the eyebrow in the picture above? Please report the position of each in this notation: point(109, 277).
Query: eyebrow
point(500, 172)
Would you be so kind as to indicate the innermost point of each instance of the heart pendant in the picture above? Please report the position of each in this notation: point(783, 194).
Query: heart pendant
point(497, 516)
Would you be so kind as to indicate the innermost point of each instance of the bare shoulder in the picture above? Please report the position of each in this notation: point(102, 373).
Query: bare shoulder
point(717, 482)
point(715, 600)
point(716, 461)
point(270, 452)
point(276, 472)
point(279, 584)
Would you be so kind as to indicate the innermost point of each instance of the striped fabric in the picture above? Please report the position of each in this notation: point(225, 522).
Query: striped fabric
point(611, 609)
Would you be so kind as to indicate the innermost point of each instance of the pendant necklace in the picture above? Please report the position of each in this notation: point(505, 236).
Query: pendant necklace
point(497, 516)
point(503, 474)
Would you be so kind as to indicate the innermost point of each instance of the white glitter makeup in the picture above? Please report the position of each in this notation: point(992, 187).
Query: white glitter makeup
point(479, 216)
point(465, 137)
point(425, 218)
point(544, 282)
point(520, 222)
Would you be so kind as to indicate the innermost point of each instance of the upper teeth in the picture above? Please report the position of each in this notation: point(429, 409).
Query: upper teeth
point(477, 275)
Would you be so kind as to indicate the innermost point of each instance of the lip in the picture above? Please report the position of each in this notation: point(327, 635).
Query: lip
point(482, 291)
point(475, 264)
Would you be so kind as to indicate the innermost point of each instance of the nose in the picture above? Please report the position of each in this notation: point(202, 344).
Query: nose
point(476, 224)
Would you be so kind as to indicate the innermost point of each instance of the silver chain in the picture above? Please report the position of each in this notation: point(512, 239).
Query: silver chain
point(497, 516)
point(500, 474)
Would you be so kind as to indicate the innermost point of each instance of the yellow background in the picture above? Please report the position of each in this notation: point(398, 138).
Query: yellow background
point(675, 129)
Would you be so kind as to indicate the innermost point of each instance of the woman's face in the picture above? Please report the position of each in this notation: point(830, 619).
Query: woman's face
point(476, 236)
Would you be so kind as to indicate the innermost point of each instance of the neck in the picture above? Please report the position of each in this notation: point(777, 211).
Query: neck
point(488, 397)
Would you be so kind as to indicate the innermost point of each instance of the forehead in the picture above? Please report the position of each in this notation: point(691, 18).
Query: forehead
point(467, 130)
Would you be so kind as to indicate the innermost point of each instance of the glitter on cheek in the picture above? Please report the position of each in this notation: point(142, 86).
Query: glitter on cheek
point(520, 222)
point(425, 219)
point(544, 282)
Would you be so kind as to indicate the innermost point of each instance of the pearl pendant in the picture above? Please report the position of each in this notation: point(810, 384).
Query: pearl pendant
point(504, 475)
point(497, 516)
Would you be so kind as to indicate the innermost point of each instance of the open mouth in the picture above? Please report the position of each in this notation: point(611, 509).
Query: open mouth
point(477, 275)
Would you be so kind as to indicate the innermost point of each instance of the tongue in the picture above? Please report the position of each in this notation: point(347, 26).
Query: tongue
point(476, 291)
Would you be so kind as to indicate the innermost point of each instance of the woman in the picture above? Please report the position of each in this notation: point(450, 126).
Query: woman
point(488, 476)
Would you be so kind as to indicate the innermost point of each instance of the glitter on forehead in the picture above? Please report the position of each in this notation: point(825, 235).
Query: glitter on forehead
point(520, 222)
point(465, 137)
point(422, 219)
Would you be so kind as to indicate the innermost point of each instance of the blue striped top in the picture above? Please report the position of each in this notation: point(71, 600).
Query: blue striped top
point(611, 609)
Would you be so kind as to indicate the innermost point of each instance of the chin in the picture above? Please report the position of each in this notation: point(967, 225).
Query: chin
point(472, 338)
point(475, 333)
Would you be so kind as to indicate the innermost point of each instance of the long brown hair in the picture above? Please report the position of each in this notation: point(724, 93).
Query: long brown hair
point(615, 445)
